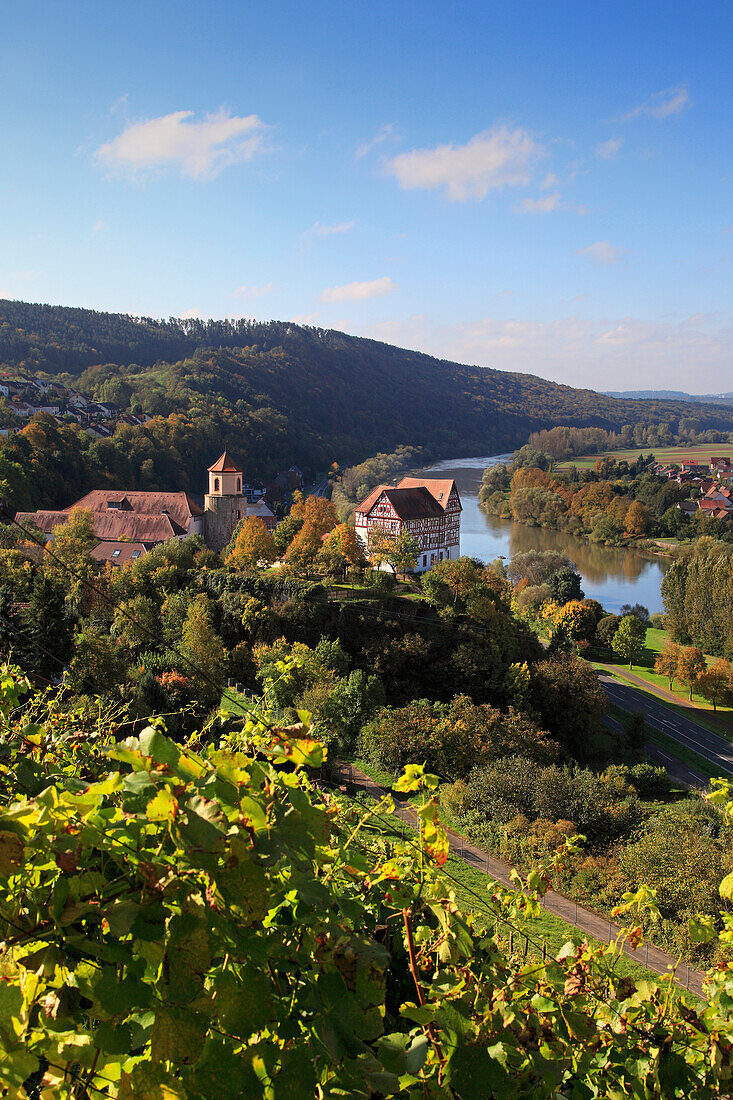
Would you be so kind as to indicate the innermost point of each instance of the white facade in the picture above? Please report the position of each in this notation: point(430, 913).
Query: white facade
point(428, 510)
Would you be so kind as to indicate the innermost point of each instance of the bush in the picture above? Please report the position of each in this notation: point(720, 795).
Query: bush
point(650, 782)
point(658, 620)
point(603, 808)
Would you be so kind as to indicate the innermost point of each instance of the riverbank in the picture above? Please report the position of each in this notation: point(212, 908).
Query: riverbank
point(612, 575)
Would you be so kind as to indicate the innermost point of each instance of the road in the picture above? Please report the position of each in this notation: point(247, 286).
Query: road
point(713, 748)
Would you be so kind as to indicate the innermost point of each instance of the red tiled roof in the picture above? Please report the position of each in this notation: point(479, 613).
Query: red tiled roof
point(225, 465)
point(371, 500)
point(179, 506)
point(111, 526)
point(119, 553)
point(440, 488)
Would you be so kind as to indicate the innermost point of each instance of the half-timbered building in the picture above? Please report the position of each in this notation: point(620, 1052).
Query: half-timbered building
point(428, 509)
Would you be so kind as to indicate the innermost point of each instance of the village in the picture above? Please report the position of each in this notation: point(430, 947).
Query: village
point(713, 483)
point(130, 523)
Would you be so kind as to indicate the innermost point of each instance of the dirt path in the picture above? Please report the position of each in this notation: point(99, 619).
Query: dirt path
point(585, 919)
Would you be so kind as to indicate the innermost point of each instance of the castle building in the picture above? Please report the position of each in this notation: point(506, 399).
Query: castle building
point(428, 509)
point(130, 522)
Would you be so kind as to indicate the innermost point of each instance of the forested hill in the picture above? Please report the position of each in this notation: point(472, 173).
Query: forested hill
point(278, 393)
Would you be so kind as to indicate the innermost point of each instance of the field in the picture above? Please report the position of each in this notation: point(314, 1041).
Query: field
point(702, 453)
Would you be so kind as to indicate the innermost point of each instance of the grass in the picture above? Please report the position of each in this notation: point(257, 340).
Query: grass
point(668, 455)
point(721, 724)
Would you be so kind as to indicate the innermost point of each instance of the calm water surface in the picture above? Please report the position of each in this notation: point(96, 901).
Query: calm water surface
point(611, 575)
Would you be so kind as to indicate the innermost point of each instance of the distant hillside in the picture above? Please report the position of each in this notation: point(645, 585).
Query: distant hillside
point(274, 393)
point(672, 395)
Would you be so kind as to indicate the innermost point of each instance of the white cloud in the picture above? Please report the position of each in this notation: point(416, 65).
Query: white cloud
point(253, 291)
point(672, 101)
point(320, 230)
point(500, 157)
point(199, 150)
point(543, 205)
point(634, 352)
point(607, 150)
point(99, 226)
point(602, 253)
point(549, 181)
point(388, 132)
point(359, 292)
point(190, 314)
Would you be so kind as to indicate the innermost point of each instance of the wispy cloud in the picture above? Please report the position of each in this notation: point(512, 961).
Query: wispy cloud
point(607, 150)
point(496, 158)
point(318, 229)
point(253, 291)
point(359, 292)
point(99, 226)
point(190, 314)
point(602, 253)
point(388, 132)
point(199, 150)
point(633, 350)
point(544, 205)
point(672, 101)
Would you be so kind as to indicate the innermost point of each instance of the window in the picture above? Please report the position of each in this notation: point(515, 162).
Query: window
point(216, 484)
point(136, 554)
point(239, 484)
point(116, 553)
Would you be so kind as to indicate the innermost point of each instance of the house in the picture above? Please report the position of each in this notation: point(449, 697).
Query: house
point(259, 508)
point(118, 553)
point(129, 516)
point(427, 509)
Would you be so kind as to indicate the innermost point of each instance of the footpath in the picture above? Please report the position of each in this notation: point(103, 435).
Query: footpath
point(585, 919)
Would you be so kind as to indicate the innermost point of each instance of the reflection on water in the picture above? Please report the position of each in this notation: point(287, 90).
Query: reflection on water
point(610, 575)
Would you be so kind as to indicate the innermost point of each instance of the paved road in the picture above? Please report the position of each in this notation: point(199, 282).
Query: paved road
point(677, 771)
point(713, 748)
point(585, 919)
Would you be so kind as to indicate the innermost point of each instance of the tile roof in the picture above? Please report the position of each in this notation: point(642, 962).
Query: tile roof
point(179, 506)
point(225, 465)
point(440, 488)
point(119, 553)
point(367, 504)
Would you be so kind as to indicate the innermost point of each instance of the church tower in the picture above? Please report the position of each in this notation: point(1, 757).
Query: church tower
point(224, 504)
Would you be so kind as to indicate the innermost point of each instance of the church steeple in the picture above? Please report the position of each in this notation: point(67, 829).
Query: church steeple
point(225, 477)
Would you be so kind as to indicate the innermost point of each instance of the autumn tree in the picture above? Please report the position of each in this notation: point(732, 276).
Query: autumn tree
point(253, 545)
point(637, 519)
point(690, 666)
point(577, 619)
point(341, 550)
point(203, 650)
point(716, 683)
point(68, 557)
point(667, 662)
point(628, 641)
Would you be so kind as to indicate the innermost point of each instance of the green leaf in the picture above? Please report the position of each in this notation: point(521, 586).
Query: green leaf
point(155, 744)
point(11, 853)
point(150, 1082)
point(702, 929)
point(178, 1035)
point(726, 886)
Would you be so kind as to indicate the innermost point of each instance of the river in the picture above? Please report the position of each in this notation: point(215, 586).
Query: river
point(611, 575)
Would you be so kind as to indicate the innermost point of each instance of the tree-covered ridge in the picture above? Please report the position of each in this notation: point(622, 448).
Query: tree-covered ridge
point(337, 396)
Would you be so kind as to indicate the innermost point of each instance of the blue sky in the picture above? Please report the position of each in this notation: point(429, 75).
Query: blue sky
point(540, 187)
